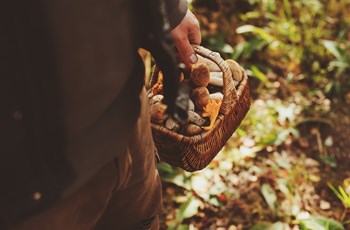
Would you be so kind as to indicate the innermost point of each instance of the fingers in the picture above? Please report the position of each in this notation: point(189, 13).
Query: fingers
point(194, 33)
point(186, 34)
point(186, 52)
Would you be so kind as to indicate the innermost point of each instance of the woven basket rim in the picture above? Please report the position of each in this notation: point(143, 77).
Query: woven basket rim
point(231, 95)
point(193, 153)
point(205, 135)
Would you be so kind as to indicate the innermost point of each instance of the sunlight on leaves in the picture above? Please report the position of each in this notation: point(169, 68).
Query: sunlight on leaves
point(258, 74)
point(186, 210)
point(189, 209)
point(332, 47)
point(341, 193)
point(269, 195)
point(262, 33)
point(269, 226)
point(201, 185)
point(320, 223)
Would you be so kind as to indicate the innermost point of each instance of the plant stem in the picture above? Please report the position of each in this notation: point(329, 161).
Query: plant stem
point(344, 214)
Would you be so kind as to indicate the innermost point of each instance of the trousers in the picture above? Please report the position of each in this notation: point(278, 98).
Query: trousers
point(125, 194)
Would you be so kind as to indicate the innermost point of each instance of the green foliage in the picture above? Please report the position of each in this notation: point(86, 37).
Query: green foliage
point(269, 195)
point(186, 210)
point(320, 223)
point(293, 38)
point(340, 66)
point(269, 226)
point(297, 55)
point(343, 196)
point(270, 123)
point(306, 40)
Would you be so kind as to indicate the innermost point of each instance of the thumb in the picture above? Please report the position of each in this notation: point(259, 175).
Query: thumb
point(186, 52)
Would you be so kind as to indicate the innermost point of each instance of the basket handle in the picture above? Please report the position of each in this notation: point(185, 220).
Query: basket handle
point(229, 90)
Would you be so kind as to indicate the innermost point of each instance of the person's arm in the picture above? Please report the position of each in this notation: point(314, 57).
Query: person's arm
point(185, 29)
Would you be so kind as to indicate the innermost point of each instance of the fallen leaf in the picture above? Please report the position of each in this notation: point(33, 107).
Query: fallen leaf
point(211, 110)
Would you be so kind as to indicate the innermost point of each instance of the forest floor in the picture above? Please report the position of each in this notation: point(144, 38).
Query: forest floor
point(280, 186)
point(289, 161)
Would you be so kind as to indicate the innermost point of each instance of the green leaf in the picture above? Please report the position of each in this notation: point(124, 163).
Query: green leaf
point(329, 160)
point(261, 226)
point(277, 226)
point(260, 32)
point(282, 136)
point(166, 170)
point(270, 5)
point(309, 224)
point(247, 49)
point(201, 185)
point(287, 8)
point(332, 47)
point(282, 186)
point(341, 194)
point(250, 15)
point(183, 227)
point(258, 74)
point(320, 223)
point(281, 162)
point(227, 49)
point(269, 195)
point(268, 226)
point(188, 209)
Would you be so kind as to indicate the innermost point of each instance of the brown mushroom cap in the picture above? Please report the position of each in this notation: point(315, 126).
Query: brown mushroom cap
point(200, 75)
point(157, 112)
point(192, 129)
point(200, 97)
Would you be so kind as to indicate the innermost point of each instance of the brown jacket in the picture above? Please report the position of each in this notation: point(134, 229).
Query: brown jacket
point(70, 79)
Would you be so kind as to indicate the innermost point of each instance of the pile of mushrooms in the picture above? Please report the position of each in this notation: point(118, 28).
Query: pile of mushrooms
point(206, 84)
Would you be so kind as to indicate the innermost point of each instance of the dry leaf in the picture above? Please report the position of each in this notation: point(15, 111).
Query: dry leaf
point(211, 110)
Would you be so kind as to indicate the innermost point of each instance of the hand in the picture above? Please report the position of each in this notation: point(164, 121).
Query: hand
point(184, 35)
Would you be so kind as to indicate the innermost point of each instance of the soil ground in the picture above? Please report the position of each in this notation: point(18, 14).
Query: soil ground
point(306, 155)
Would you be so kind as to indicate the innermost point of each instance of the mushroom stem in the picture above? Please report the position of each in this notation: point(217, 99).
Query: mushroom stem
point(217, 81)
point(212, 65)
point(216, 96)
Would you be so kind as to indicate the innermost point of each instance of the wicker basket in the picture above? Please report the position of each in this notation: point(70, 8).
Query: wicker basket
point(193, 153)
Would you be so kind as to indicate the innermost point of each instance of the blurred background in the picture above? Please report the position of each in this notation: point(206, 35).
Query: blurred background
point(288, 164)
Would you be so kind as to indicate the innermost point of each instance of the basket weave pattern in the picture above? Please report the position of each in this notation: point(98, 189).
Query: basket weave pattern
point(194, 153)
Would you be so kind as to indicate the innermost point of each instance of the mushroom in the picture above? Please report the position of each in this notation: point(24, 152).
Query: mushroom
point(216, 79)
point(150, 93)
point(235, 69)
point(157, 112)
point(216, 74)
point(155, 99)
point(172, 125)
point(192, 129)
point(200, 75)
point(218, 96)
point(190, 105)
point(212, 65)
point(200, 97)
point(195, 118)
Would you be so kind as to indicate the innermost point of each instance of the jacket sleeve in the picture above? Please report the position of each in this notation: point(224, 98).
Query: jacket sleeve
point(176, 11)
